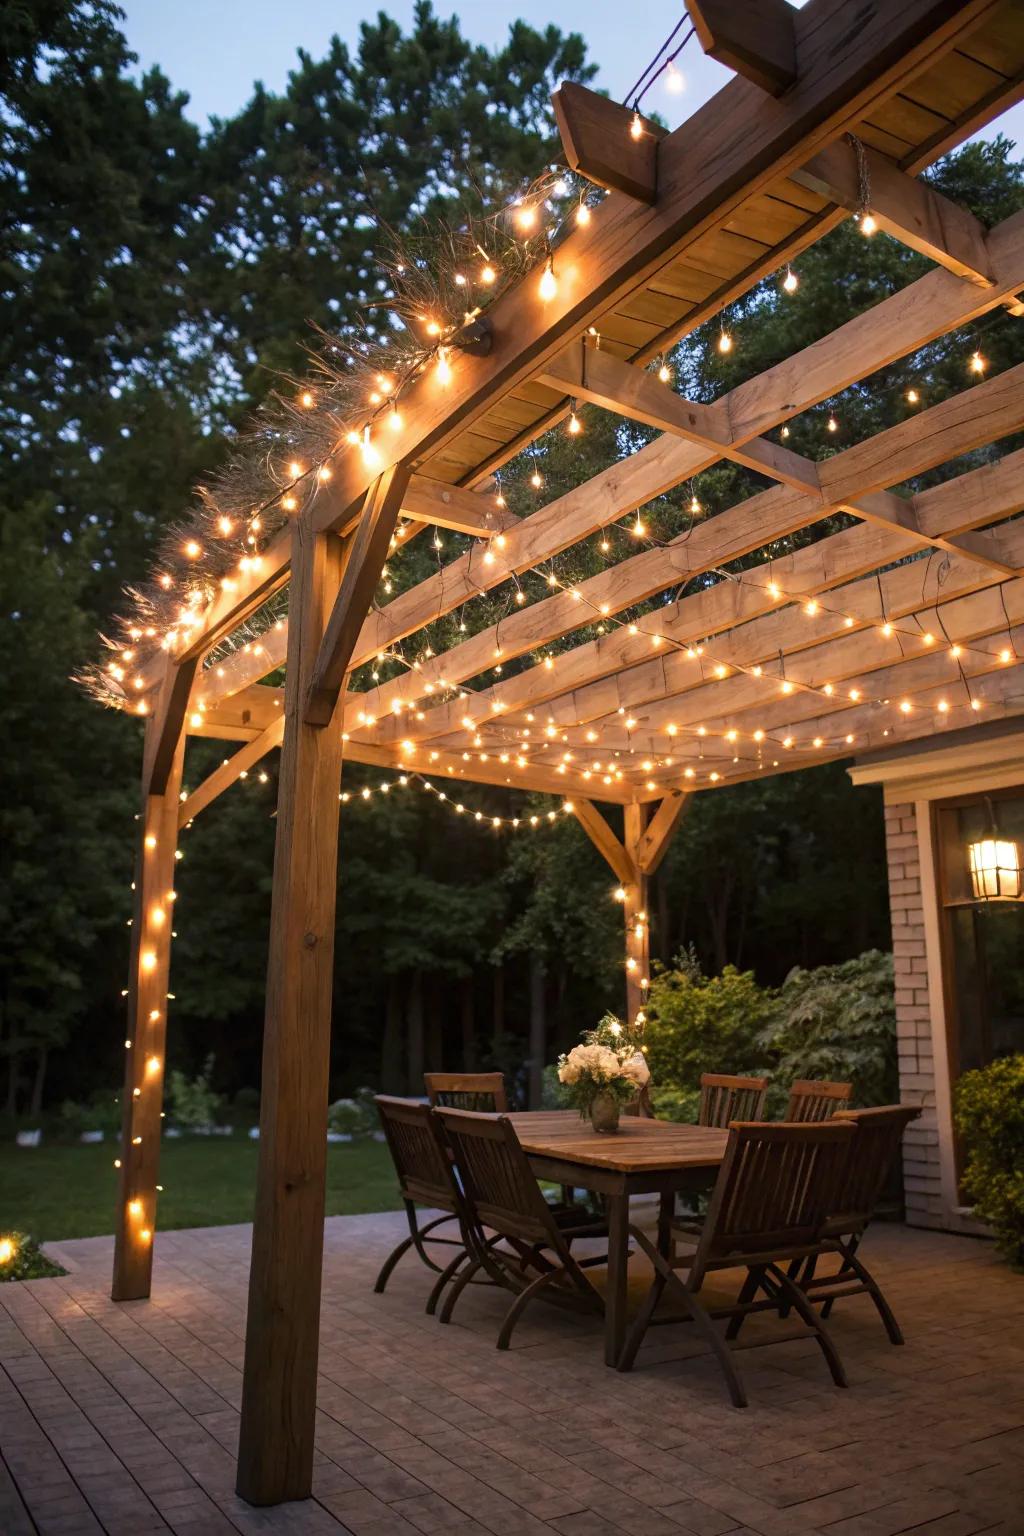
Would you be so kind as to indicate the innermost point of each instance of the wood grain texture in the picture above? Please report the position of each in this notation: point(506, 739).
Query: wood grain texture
point(756, 38)
point(146, 1037)
point(638, 1145)
point(275, 1453)
point(598, 142)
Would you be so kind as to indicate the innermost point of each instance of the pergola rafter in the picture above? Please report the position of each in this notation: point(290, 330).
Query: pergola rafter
point(754, 177)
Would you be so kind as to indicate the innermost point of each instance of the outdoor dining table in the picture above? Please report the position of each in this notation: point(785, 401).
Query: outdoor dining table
point(643, 1157)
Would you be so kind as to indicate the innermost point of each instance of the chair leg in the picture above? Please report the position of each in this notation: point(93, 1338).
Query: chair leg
point(874, 1290)
point(748, 1290)
point(442, 1280)
point(517, 1308)
point(800, 1304)
point(641, 1323)
point(701, 1320)
point(415, 1239)
point(457, 1290)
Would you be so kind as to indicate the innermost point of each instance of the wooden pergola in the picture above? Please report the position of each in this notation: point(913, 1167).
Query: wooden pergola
point(843, 646)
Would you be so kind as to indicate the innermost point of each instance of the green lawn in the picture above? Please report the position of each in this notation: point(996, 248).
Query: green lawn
point(56, 1191)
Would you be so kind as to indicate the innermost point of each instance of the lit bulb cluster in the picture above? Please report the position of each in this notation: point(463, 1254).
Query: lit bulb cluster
point(530, 823)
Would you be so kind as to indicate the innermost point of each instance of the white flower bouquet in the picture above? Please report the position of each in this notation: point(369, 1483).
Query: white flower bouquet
point(604, 1072)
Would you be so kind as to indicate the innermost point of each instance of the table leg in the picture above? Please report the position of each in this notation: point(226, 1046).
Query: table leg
point(616, 1291)
point(666, 1210)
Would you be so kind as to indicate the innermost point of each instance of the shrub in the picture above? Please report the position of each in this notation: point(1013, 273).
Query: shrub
point(989, 1118)
point(22, 1259)
point(194, 1104)
point(838, 1022)
point(354, 1117)
point(100, 1112)
point(699, 1024)
point(679, 1104)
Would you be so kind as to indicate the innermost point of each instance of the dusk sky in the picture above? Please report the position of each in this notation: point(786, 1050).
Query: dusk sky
point(215, 52)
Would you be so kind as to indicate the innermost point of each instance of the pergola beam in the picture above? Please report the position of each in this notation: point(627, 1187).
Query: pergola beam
point(903, 206)
point(365, 553)
point(230, 772)
point(756, 38)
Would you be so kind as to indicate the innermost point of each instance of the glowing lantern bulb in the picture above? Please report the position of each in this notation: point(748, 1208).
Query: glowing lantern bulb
point(444, 367)
point(487, 274)
point(868, 224)
point(574, 424)
point(674, 82)
point(526, 216)
point(790, 282)
point(583, 215)
point(665, 374)
point(548, 286)
point(724, 342)
point(977, 363)
point(636, 127)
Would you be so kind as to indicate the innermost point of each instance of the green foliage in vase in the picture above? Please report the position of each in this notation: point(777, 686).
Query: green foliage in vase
point(989, 1119)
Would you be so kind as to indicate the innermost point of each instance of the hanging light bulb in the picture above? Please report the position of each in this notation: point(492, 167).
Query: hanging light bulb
point(790, 282)
point(307, 400)
point(583, 215)
point(724, 341)
point(487, 274)
point(548, 286)
point(978, 363)
point(832, 424)
point(444, 367)
point(665, 374)
point(868, 223)
point(638, 530)
point(695, 506)
point(394, 417)
point(526, 216)
point(536, 480)
point(674, 82)
point(912, 397)
point(369, 451)
point(575, 425)
point(636, 127)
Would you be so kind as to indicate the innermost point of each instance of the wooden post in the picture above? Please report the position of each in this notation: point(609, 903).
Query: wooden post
point(275, 1452)
point(638, 950)
point(146, 1038)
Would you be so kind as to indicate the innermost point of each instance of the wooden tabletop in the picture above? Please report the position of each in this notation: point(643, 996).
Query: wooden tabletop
point(638, 1145)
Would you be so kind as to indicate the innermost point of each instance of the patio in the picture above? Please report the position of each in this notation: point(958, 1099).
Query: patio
point(123, 1418)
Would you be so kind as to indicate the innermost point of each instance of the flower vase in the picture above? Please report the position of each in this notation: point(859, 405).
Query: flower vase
point(604, 1113)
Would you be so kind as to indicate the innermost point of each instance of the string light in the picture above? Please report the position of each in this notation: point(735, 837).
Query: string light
point(583, 215)
point(724, 341)
point(868, 223)
point(790, 282)
point(443, 369)
point(675, 83)
point(636, 127)
point(548, 285)
point(978, 363)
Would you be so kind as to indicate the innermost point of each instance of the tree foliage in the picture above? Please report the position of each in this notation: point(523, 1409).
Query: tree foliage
point(154, 281)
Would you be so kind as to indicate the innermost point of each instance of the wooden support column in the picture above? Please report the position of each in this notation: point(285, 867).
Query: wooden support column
point(146, 1037)
point(638, 947)
point(275, 1452)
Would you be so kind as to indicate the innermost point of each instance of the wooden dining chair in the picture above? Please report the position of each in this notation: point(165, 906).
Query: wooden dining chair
point(814, 1101)
point(512, 1234)
point(770, 1204)
point(861, 1184)
point(481, 1091)
point(724, 1098)
point(425, 1178)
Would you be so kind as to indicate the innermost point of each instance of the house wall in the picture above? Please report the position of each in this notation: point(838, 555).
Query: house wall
point(911, 783)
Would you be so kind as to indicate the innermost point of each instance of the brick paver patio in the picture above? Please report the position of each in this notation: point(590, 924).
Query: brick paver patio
point(124, 1419)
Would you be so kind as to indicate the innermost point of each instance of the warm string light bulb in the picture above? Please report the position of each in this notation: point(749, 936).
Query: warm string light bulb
point(636, 127)
point(978, 364)
point(548, 285)
point(575, 425)
point(790, 282)
point(526, 217)
point(665, 374)
point(724, 341)
point(675, 83)
point(444, 367)
point(583, 215)
point(868, 223)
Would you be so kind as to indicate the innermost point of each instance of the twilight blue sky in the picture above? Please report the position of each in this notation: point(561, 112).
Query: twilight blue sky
point(216, 51)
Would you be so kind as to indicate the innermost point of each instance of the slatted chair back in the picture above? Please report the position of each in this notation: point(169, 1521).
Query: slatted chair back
point(774, 1192)
point(724, 1098)
point(500, 1187)
point(483, 1092)
point(813, 1101)
point(875, 1147)
point(424, 1172)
